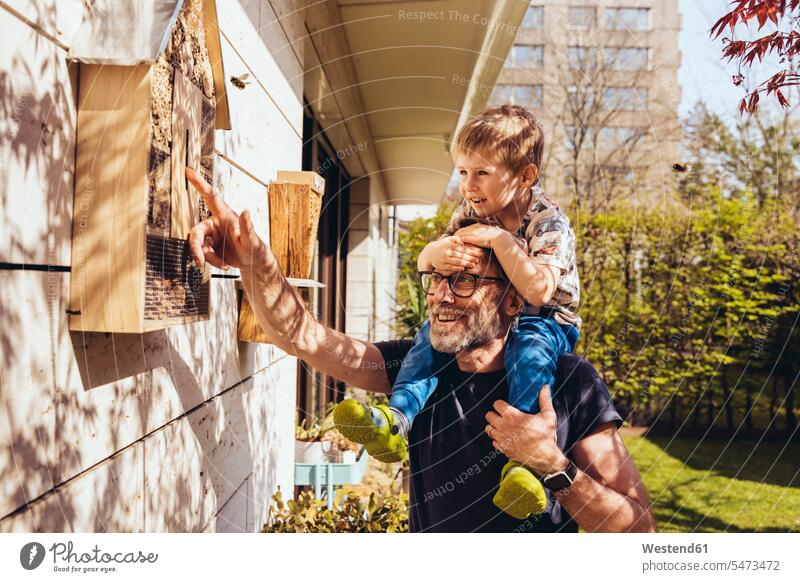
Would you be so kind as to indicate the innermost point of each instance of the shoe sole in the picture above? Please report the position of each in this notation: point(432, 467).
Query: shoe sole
point(354, 422)
point(520, 494)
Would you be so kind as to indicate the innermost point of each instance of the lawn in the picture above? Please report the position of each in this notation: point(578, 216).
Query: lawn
point(719, 485)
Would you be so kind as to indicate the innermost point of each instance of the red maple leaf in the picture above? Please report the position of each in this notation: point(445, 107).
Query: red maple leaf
point(784, 44)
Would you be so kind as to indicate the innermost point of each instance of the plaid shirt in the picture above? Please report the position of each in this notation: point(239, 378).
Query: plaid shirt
point(548, 239)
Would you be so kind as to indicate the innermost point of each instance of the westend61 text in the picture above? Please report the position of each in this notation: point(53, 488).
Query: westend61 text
point(675, 549)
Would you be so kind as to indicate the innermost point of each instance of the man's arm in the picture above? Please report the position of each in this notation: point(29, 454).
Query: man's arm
point(607, 494)
point(284, 317)
point(225, 240)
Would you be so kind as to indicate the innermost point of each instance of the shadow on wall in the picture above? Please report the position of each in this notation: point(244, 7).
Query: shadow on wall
point(38, 94)
point(37, 126)
point(178, 405)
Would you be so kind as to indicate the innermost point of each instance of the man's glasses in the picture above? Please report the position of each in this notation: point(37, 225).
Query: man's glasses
point(461, 284)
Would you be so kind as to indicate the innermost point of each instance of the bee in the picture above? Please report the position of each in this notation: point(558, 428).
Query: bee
point(241, 81)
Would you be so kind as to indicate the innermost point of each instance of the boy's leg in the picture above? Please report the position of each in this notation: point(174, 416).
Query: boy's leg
point(382, 429)
point(417, 378)
point(372, 426)
point(531, 357)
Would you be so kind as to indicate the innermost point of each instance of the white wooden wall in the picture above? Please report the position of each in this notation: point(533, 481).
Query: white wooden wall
point(179, 430)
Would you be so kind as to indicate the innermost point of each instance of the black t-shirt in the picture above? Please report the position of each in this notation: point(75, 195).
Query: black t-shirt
point(455, 470)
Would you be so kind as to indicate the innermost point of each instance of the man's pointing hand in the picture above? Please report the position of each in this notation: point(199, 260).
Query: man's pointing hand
point(225, 239)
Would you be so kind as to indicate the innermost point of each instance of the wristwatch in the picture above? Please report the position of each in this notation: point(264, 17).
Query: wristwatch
point(560, 480)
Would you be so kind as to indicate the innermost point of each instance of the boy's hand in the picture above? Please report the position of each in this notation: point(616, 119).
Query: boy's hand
point(481, 235)
point(451, 254)
point(226, 239)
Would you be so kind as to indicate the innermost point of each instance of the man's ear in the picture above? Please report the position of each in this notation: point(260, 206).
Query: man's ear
point(513, 302)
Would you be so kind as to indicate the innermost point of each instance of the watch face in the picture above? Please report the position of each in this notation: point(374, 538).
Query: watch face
point(558, 482)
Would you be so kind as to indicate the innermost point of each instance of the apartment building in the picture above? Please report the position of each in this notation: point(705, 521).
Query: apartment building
point(602, 76)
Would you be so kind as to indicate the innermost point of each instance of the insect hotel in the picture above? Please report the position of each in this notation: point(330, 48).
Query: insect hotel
point(295, 202)
point(151, 93)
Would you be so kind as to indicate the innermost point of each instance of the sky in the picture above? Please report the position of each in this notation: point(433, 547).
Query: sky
point(702, 74)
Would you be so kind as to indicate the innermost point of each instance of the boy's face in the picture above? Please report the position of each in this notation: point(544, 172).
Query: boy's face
point(486, 185)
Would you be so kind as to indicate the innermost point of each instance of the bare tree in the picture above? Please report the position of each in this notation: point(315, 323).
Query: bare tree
point(612, 129)
point(756, 156)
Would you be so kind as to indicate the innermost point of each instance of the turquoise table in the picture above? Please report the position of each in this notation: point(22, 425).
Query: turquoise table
point(331, 474)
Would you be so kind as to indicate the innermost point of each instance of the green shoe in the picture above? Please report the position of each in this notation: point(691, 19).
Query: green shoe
point(354, 420)
point(520, 493)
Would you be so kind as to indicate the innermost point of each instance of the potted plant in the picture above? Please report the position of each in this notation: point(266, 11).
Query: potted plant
point(347, 450)
point(318, 441)
point(311, 445)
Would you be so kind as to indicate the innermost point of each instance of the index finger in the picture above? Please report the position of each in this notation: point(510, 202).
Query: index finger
point(212, 199)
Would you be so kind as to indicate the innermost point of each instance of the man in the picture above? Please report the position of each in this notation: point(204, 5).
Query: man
point(460, 442)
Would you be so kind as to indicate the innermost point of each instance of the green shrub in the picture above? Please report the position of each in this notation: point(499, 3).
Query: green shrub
point(307, 514)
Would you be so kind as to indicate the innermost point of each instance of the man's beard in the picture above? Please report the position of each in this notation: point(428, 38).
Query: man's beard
point(477, 327)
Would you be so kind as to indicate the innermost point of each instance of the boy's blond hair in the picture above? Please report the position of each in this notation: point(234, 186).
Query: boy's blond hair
point(508, 134)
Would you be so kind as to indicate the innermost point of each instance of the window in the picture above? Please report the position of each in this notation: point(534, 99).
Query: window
point(534, 18)
point(581, 17)
point(315, 390)
point(627, 59)
point(631, 19)
point(525, 95)
point(526, 56)
point(625, 98)
point(582, 57)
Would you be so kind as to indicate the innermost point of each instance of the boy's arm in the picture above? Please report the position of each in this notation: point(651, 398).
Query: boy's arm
point(536, 282)
point(448, 254)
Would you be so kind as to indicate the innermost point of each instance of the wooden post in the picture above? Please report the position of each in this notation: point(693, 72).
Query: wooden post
point(294, 209)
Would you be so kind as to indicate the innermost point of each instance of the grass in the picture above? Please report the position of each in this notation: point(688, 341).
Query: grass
point(720, 485)
point(711, 486)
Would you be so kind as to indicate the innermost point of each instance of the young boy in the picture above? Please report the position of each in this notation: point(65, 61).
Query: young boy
point(497, 154)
